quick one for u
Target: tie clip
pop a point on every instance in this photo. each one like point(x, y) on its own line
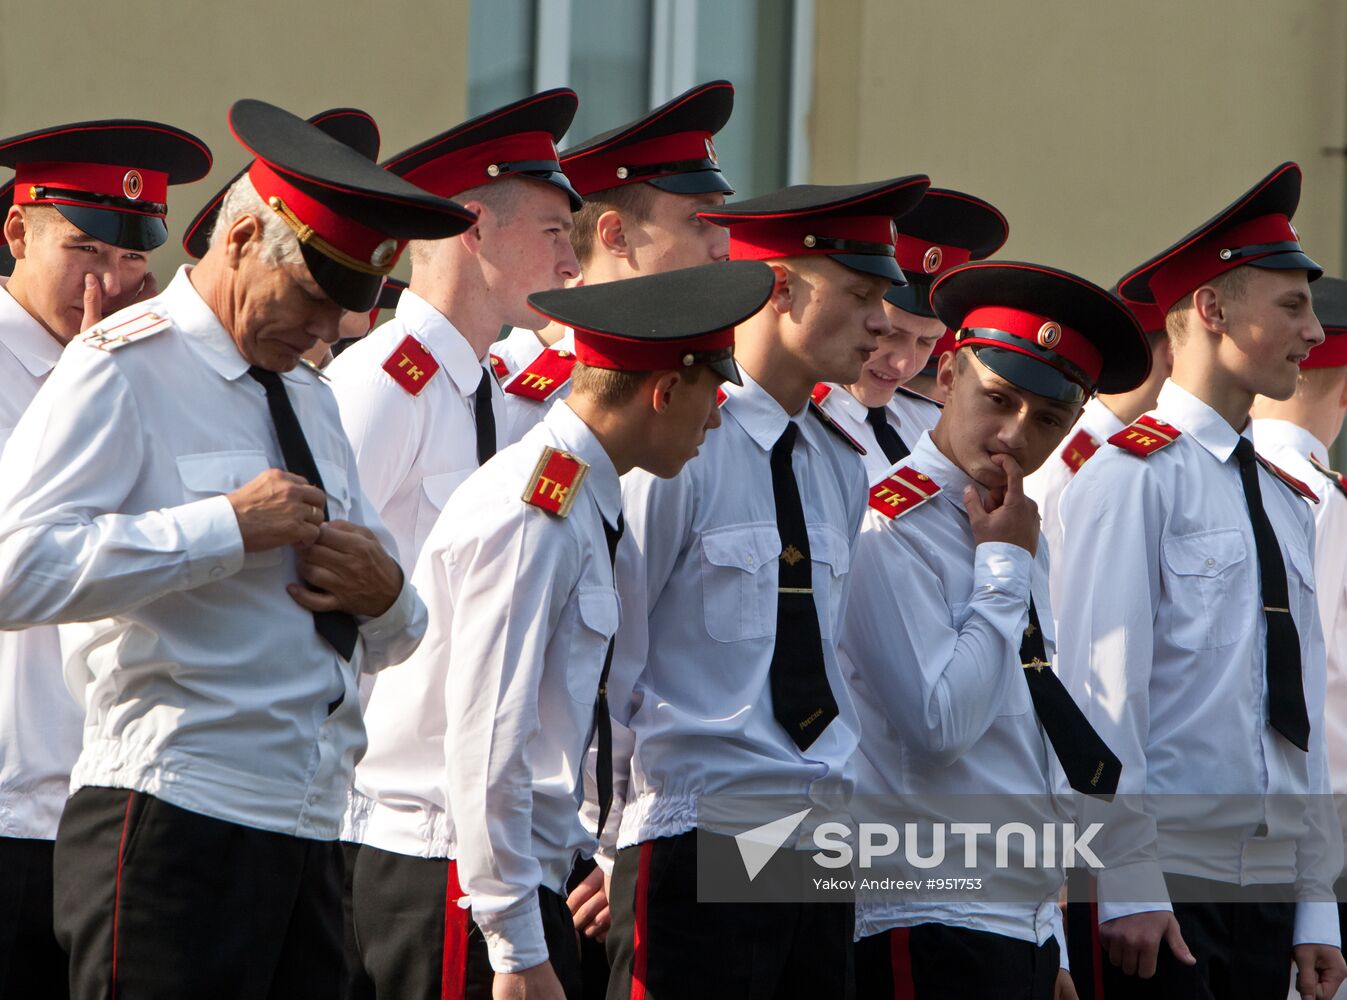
point(1285, 611)
point(1035, 664)
point(794, 590)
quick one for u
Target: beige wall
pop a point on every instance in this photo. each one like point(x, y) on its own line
point(1104, 131)
point(185, 62)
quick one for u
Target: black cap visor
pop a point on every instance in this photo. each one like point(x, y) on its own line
point(914, 298)
point(1294, 260)
point(555, 178)
point(128, 230)
point(353, 290)
point(1028, 373)
point(708, 181)
point(878, 264)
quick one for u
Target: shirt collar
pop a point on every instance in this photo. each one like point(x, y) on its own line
point(601, 480)
point(1292, 437)
point(28, 339)
point(200, 326)
point(849, 404)
point(1099, 420)
point(761, 415)
point(926, 458)
point(450, 347)
point(1195, 418)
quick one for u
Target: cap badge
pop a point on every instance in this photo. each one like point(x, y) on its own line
point(493, 170)
point(132, 184)
point(711, 152)
point(383, 253)
point(810, 241)
point(622, 173)
point(1048, 335)
point(931, 262)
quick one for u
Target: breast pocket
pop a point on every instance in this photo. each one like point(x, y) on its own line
point(831, 557)
point(1207, 575)
point(435, 493)
point(596, 621)
point(739, 581)
point(213, 474)
point(338, 488)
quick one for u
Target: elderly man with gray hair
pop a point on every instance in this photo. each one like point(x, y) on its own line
point(182, 488)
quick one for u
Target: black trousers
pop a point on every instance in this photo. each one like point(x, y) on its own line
point(32, 964)
point(415, 942)
point(154, 902)
point(665, 944)
point(932, 961)
point(1243, 949)
point(593, 955)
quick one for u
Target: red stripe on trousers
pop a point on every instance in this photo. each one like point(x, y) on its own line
point(900, 962)
point(640, 935)
point(1096, 954)
point(117, 889)
point(454, 964)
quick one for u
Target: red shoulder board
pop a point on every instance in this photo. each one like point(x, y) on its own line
point(545, 374)
point(1145, 437)
point(1289, 480)
point(555, 482)
point(721, 396)
point(905, 490)
point(411, 365)
point(499, 368)
point(1336, 478)
point(822, 390)
point(1079, 450)
point(835, 427)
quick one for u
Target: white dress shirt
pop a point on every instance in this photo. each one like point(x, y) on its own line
point(1161, 639)
point(520, 654)
point(208, 686)
point(510, 356)
point(850, 414)
point(931, 646)
point(698, 585)
point(40, 720)
point(412, 451)
point(914, 412)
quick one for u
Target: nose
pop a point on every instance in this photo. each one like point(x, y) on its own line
point(111, 281)
point(326, 323)
point(720, 243)
point(1011, 434)
point(876, 321)
point(569, 265)
point(1315, 335)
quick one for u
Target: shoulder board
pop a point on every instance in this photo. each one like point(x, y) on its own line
point(1079, 450)
point(555, 482)
point(499, 368)
point(721, 396)
point(1296, 485)
point(545, 374)
point(411, 365)
point(1145, 437)
point(113, 336)
point(1336, 478)
point(315, 369)
point(903, 390)
point(822, 390)
point(835, 427)
point(903, 492)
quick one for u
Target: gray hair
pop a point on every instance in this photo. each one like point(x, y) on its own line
point(279, 244)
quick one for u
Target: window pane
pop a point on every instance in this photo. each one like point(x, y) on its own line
point(500, 53)
point(610, 64)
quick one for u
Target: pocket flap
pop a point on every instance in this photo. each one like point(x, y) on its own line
point(742, 547)
point(598, 609)
point(438, 489)
point(221, 471)
point(1204, 553)
point(827, 545)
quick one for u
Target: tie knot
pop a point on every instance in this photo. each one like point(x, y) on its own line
point(268, 378)
point(786, 442)
point(876, 415)
point(1244, 451)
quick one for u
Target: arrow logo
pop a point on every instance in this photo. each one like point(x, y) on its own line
point(758, 845)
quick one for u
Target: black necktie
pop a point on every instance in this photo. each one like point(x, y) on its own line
point(337, 627)
point(889, 442)
point(802, 700)
point(603, 722)
point(485, 417)
point(1090, 766)
point(1286, 693)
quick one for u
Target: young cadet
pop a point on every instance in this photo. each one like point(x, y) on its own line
point(1297, 434)
point(520, 571)
point(1102, 416)
point(643, 185)
point(732, 589)
point(946, 229)
point(1189, 633)
point(193, 484)
point(947, 642)
point(91, 201)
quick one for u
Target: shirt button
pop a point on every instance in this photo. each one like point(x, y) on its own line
point(750, 558)
point(216, 572)
point(1211, 563)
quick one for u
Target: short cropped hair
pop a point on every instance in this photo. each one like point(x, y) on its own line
point(502, 197)
point(279, 243)
point(1231, 285)
point(631, 201)
point(608, 387)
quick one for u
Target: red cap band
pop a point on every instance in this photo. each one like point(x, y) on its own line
point(924, 257)
point(1195, 265)
point(1043, 331)
point(1332, 353)
point(471, 166)
point(369, 250)
point(794, 236)
point(626, 354)
point(609, 167)
point(128, 183)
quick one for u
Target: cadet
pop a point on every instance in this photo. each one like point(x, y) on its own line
point(91, 201)
point(195, 485)
point(1189, 634)
point(525, 608)
point(946, 229)
point(726, 675)
point(948, 633)
point(643, 185)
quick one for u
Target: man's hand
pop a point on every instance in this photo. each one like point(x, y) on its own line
point(348, 570)
point(1064, 988)
point(95, 308)
point(1320, 970)
point(277, 508)
point(1133, 942)
point(589, 907)
point(537, 983)
point(1005, 515)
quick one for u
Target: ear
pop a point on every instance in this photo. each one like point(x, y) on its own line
point(471, 238)
point(782, 293)
point(245, 230)
point(661, 389)
point(611, 235)
point(945, 372)
point(16, 232)
point(1209, 309)
point(1342, 398)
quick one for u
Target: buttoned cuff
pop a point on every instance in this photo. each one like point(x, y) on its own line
point(1129, 889)
point(514, 937)
point(395, 634)
point(1003, 567)
point(1317, 923)
point(212, 539)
